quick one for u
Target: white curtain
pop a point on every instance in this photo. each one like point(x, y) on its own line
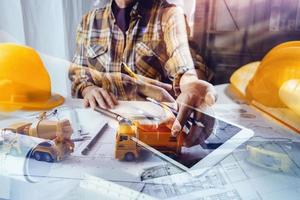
point(49, 26)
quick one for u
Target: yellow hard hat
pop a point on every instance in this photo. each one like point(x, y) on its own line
point(24, 82)
point(289, 94)
point(265, 78)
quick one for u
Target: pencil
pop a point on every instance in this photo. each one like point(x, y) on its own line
point(111, 114)
point(129, 71)
point(94, 140)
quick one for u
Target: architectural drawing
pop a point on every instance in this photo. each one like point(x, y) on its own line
point(234, 178)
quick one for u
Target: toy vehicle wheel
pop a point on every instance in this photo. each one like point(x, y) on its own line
point(129, 156)
point(47, 157)
point(37, 156)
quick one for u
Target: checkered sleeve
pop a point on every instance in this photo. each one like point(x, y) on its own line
point(176, 39)
point(80, 74)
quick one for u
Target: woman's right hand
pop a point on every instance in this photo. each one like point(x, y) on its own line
point(96, 96)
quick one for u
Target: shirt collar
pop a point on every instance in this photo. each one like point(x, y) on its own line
point(136, 10)
point(145, 7)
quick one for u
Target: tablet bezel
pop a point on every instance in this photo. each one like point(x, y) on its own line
point(215, 156)
point(222, 152)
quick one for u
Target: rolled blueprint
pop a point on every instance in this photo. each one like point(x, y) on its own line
point(15, 161)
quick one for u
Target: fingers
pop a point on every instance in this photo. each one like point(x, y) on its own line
point(194, 137)
point(196, 134)
point(92, 102)
point(182, 116)
point(210, 96)
point(164, 95)
point(210, 99)
point(86, 102)
point(110, 102)
point(165, 86)
point(99, 97)
point(169, 121)
point(176, 128)
point(209, 123)
point(155, 92)
point(114, 98)
point(147, 87)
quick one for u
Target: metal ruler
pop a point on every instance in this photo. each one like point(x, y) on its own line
point(112, 190)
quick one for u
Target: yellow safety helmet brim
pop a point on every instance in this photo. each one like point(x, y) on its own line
point(54, 101)
point(241, 77)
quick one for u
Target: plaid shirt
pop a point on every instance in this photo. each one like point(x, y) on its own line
point(155, 46)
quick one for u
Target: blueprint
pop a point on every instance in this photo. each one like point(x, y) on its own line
point(238, 176)
point(235, 177)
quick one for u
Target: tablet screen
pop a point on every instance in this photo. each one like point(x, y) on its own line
point(219, 133)
point(215, 133)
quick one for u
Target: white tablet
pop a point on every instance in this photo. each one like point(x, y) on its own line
point(225, 137)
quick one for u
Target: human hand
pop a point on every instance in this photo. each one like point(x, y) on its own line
point(146, 87)
point(195, 96)
point(134, 89)
point(96, 96)
point(166, 86)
